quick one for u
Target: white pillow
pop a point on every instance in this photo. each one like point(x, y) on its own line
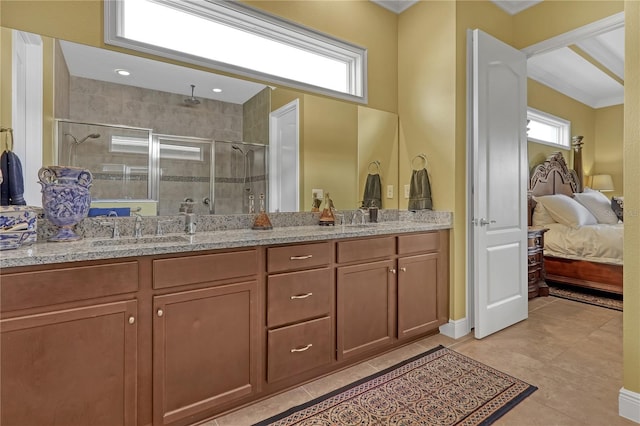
point(564, 209)
point(540, 215)
point(599, 206)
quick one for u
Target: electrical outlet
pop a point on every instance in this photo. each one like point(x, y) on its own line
point(389, 191)
point(406, 191)
point(317, 193)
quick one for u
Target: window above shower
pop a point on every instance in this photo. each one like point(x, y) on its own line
point(236, 38)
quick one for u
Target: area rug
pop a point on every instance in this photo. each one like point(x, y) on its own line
point(438, 387)
point(585, 295)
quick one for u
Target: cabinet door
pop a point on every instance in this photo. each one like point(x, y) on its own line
point(70, 367)
point(205, 350)
point(365, 307)
point(417, 294)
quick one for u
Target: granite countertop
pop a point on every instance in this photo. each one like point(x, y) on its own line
point(106, 248)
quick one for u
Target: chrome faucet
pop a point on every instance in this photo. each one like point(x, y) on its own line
point(363, 214)
point(190, 223)
point(137, 226)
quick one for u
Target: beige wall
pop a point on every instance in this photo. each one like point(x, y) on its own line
point(609, 137)
point(631, 314)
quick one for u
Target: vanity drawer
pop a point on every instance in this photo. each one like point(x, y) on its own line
point(366, 249)
point(417, 243)
point(299, 256)
point(204, 268)
point(296, 296)
point(25, 290)
point(298, 348)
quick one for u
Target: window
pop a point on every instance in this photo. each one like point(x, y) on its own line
point(233, 37)
point(548, 129)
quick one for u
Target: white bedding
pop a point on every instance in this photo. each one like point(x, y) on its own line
point(595, 243)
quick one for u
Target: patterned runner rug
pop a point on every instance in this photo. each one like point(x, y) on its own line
point(439, 387)
point(585, 295)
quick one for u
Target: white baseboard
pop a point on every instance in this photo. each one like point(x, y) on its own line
point(455, 329)
point(629, 405)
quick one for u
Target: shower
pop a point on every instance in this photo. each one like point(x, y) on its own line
point(192, 101)
point(75, 142)
point(245, 166)
point(78, 142)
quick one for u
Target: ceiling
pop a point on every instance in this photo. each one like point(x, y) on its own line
point(99, 64)
point(590, 71)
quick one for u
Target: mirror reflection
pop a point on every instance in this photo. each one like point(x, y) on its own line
point(165, 134)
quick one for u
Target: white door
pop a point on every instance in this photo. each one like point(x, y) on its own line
point(500, 173)
point(284, 170)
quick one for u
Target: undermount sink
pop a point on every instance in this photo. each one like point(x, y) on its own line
point(142, 240)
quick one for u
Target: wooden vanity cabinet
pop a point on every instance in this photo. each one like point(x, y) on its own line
point(300, 310)
point(205, 340)
point(74, 362)
point(365, 302)
point(422, 283)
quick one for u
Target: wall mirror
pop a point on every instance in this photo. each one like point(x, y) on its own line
point(165, 133)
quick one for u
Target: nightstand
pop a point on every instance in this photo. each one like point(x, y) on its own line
point(535, 247)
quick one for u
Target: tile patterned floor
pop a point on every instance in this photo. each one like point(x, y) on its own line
point(571, 351)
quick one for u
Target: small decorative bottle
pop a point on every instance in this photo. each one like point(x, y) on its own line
point(327, 217)
point(262, 221)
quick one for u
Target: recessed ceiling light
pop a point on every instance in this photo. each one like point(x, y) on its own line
point(122, 72)
point(217, 90)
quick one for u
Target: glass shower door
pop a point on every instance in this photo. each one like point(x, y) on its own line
point(185, 173)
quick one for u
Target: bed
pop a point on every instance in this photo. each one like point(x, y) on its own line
point(580, 253)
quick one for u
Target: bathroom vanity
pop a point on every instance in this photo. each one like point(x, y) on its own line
point(172, 333)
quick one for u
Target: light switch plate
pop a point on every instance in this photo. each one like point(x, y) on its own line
point(317, 193)
point(389, 191)
point(406, 191)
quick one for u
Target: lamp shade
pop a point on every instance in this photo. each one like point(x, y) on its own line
point(602, 183)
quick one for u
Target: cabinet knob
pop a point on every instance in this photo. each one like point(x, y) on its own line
point(160, 312)
point(132, 319)
point(403, 269)
point(393, 271)
point(301, 349)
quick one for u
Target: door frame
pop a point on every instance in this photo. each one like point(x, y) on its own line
point(274, 153)
point(594, 28)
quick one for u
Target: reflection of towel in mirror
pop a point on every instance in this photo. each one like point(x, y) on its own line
point(420, 191)
point(12, 187)
point(372, 192)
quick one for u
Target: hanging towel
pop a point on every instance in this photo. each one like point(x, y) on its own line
point(12, 187)
point(372, 192)
point(420, 191)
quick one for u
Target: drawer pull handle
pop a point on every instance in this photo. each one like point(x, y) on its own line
point(301, 349)
point(308, 256)
point(301, 296)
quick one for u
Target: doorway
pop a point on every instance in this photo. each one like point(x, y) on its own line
point(284, 169)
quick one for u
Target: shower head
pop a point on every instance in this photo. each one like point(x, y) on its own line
point(192, 100)
point(78, 142)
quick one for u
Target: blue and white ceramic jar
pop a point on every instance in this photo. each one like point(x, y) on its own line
point(65, 198)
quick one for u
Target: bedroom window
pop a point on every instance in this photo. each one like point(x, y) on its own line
point(236, 38)
point(548, 129)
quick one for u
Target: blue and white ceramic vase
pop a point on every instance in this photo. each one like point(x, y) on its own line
point(65, 198)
